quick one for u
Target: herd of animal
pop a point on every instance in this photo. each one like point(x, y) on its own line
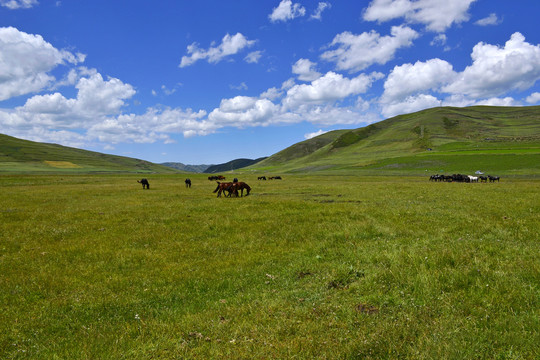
point(463, 178)
point(235, 188)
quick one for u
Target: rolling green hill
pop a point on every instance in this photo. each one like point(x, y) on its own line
point(502, 140)
point(23, 156)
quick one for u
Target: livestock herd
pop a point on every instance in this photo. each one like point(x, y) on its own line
point(236, 187)
point(463, 178)
point(229, 189)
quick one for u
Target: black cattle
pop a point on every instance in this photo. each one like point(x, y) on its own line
point(145, 183)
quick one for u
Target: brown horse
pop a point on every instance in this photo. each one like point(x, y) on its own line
point(222, 187)
point(241, 186)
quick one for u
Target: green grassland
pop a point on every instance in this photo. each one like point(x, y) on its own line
point(310, 267)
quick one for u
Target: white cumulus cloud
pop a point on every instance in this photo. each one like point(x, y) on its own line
point(534, 98)
point(506, 101)
point(154, 125)
point(305, 70)
point(328, 88)
point(409, 79)
point(436, 15)
point(286, 10)
point(96, 99)
point(26, 61)
point(18, 4)
point(496, 70)
point(243, 111)
point(230, 45)
point(357, 52)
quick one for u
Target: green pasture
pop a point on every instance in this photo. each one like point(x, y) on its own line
point(310, 267)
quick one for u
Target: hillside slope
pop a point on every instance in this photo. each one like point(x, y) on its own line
point(502, 139)
point(232, 165)
point(23, 156)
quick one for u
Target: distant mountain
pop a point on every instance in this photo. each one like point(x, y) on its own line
point(232, 165)
point(188, 168)
point(443, 139)
point(23, 156)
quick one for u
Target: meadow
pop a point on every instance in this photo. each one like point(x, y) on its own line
point(310, 267)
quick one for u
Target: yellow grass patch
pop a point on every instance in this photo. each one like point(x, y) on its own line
point(62, 164)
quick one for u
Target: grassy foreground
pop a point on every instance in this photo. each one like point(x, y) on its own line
point(94, 267)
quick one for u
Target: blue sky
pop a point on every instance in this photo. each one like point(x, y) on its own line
point(205, 82)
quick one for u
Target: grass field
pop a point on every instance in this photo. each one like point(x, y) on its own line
point(311, 267)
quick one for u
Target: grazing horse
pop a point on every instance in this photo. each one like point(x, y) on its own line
point(460, 178)
point(261, 178)
point(188, 183)
point(483, 178)
point(145, 183)
point(222, 187)
point(493, 178)
point(220, 177)
point(473, 178)
point(241, 186)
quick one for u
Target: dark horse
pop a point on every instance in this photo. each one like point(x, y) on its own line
point(145, 183)
point(188, 183)
point(493, 178)
point(261, 178)
point(222, 187)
